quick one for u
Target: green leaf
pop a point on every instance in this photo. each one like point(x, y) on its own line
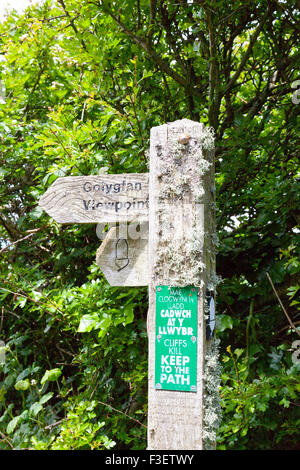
point(22, 384)
point(12, 424)
point(36, 408)
point(224, 322)
point(88, 323)
point(24, 373)
point(129, 314)
point(46, 398)
point(285, 402)
point(51, 375)
point(36, 213)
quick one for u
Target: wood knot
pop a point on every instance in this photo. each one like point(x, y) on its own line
point(184, 139)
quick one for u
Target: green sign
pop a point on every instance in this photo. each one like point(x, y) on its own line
point(176, 338)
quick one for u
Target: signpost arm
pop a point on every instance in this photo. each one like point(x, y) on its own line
point(181, 253)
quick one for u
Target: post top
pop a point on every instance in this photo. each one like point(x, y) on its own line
point(180, 124)
point(184, 122)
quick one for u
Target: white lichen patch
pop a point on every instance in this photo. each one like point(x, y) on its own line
point(212, 382)
point(181, 262)
point(176, 176)
point(207, 139)
point(180, 161)
point(177, 186)
point(199, 193)
point(213, 281)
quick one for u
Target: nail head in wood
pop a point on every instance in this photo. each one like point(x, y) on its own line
point(184, 139)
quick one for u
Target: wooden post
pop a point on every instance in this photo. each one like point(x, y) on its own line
point(181, 254)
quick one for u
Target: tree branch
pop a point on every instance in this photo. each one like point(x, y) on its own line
point(122, 413)
point(146, 46)
point(7, 247)
point(281, 304)
point(214, 80)
point(10, 228)
point(62, 3)
point(5, 439)
point(249, 50)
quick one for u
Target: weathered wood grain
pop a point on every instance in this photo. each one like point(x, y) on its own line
point(123, 259)
point(96, 199)
point(175, 418)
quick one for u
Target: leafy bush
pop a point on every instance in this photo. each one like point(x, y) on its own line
point(259, 413)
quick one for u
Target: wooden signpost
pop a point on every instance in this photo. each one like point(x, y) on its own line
point(177, 261)
point(123, 256)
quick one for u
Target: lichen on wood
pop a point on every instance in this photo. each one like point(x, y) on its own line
point(180, 160)
point(212, 382)
point(183, 245)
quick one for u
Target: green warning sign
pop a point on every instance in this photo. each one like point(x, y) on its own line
point(176, 338)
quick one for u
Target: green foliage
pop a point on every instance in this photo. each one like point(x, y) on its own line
point(85, 82)
point(33, 407)
point(80, 431)
point(259, 411)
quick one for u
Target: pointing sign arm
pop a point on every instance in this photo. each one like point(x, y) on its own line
point(93, 199)
point(124, 262)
